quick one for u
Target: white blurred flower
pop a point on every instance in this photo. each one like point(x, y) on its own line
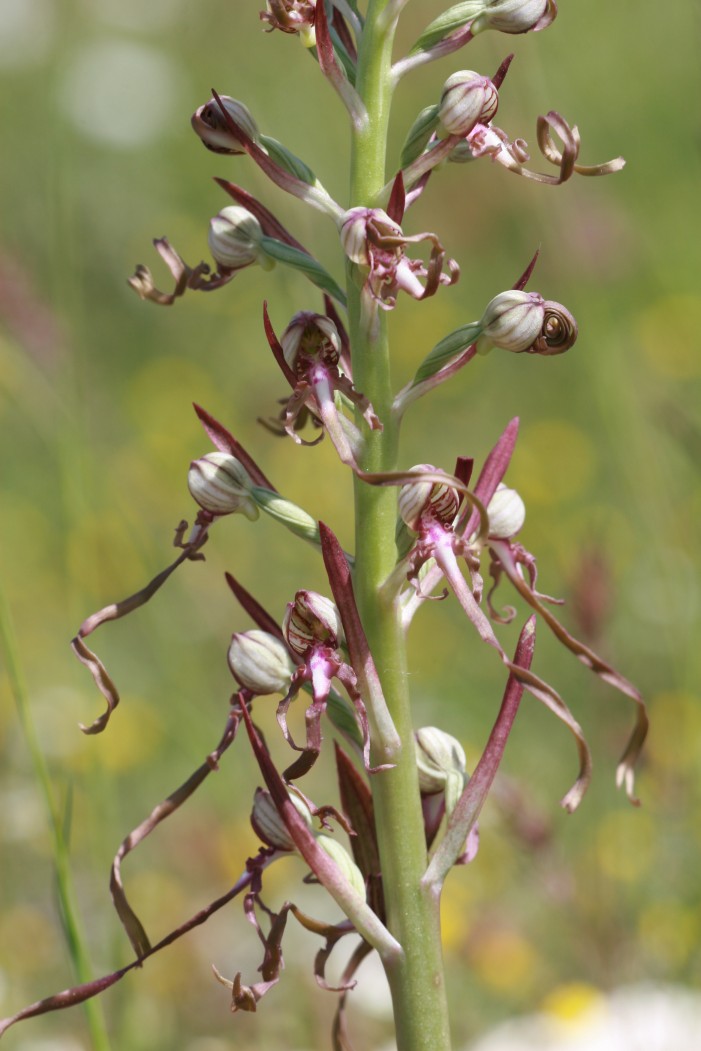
point(122, 94)
point(643, 1017)
point(27, 30)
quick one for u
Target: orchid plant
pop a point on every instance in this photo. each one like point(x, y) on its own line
point(407, 807)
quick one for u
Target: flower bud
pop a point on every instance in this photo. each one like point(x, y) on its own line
point(260, 662)
point(222, 485)
point(310, 335)
point(467, 99)
point(354, 232)
point(267, 823)
point(311, 619)
point(235, 239)
point(419, 498)
point(340, 855)
point(438, 756)
point(507, 513)
point(209, 123)
point(513, 321)
point(441, 765)
point(515, 16)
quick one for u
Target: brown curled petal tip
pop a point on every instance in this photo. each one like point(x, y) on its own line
point(559, 331)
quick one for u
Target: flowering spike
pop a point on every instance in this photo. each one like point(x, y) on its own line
point(444, 535)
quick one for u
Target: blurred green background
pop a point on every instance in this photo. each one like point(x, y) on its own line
point(97, 432)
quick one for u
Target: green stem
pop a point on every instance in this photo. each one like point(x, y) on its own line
point(64, 882)
point(417, 978)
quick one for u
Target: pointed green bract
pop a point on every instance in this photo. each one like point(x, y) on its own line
point(419, 134)
point(451, 20)
point(288, 160)
point(448, 348)
point(290, 256)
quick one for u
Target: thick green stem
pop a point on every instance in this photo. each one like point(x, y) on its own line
point(416, 979)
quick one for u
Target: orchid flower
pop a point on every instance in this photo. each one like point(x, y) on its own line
point(309, 353)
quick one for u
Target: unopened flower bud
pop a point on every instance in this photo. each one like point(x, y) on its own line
point(354, 232)
point(419, 498)
point(507, 513)
point(213, 128)
point(467, 99)
point(222, 485)
point(311, 619)
point(438, 755)
point(515, 16)
point(441, 765)
point(310, 335)
point(267, 823)
point(235, 239)
point(513, 321)
point(260, 662)
point(340, 855)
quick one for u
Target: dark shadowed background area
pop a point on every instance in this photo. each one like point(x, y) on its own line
point(97, 432)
